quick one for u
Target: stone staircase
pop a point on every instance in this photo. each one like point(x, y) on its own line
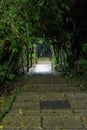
point(37, 108)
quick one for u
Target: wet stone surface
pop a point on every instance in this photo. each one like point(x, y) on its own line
point(47, 102)
point(63, 104)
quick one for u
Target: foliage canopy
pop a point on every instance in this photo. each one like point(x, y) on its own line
point(63, 23)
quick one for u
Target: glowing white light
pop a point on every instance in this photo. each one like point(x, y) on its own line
point(43, 68)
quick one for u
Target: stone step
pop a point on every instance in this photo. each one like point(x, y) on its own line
point(70, 89)
point(46, 79)
point(46, 112)
point(27, 113)
point(45, 122)
point(33, 96)
point(36, 96)
point(51, 112)
point(50, 85)
point(43, 90)
point(61, 89)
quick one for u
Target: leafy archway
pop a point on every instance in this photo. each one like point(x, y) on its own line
point(23, 22)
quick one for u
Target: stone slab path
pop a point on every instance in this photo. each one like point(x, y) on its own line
point(27, 113)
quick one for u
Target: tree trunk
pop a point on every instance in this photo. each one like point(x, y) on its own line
point(75, 50)
point(27, 57)
point(31, 58)
point(56, 53)
point(22, 62)
point(10, 59)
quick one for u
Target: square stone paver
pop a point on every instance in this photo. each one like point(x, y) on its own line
point(62, 122)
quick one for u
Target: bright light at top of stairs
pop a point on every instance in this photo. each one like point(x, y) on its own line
point(43, 68)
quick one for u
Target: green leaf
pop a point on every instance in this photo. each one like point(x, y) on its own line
point(84, 47)
point(15, 50)
point(11, 76)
